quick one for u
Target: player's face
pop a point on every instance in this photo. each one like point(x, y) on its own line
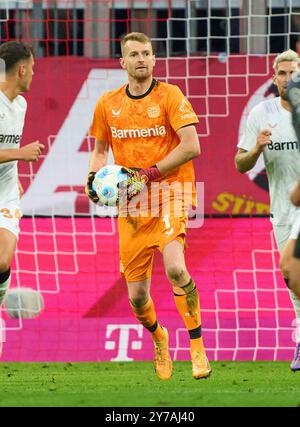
point(282, 76)
point(138, 60)
point(26, 74)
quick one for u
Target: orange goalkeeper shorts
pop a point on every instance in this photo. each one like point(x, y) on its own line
point(140, 236)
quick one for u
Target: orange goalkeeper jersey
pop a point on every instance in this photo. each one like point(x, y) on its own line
point(141, 130)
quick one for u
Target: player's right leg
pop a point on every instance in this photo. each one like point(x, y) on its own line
point(8, 243)
point(143, 309)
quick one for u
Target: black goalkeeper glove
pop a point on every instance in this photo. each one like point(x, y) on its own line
point(89, 191)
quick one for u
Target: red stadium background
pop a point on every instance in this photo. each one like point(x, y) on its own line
point(60, 83)
point(71, 255)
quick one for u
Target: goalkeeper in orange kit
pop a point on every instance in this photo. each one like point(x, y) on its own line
point(150, 127)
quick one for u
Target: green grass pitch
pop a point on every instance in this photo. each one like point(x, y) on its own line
point(135, 384)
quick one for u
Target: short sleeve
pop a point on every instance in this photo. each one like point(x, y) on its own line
point(98, 128)
point(180, 110)
point(249, 137)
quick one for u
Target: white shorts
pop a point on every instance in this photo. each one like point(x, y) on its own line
point(10, 215)
point(286, 232)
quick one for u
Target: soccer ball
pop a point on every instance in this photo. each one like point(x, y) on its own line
point(106, 184)
point(26, 303)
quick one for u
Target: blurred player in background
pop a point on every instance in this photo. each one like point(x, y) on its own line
point(293, 93)
point(150, 127)
point(17, 67)
point(270, 131)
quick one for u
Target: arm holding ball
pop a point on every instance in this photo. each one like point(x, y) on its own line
point(97, 161)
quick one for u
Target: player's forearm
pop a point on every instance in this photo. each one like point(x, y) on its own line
point(9, 155)
point(97, 161)
point(183, 153)
point(247, 160)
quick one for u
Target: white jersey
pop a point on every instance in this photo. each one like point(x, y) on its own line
point(281, 157)
point(12, 116)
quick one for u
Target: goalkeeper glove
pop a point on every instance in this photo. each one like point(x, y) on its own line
point(89, 191)
point(137, 180)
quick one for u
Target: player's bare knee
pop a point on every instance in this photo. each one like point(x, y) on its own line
point(175, 273)
point(139, 298)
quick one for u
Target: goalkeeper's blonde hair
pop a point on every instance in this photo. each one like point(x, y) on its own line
point(287, 55)
point(134, 36)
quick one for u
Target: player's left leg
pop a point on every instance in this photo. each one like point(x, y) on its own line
point(8, 243)
point(290, 267)
point(7, 248)
point(187, 302)
point(136, 256)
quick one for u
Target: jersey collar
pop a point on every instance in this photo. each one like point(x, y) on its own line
point(7, 101)
point(154, 83)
